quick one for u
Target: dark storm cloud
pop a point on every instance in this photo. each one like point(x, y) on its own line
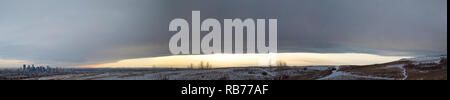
point(80, 31)
point(386, 27)
point(95, 31)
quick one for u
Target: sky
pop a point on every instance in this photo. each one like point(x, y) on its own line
point(91, 32)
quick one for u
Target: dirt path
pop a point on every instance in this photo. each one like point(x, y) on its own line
point(340, 75)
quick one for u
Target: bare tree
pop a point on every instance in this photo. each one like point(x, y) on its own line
point(191, 66)
point(281, 63)
point(208, 65)
point(202, 65)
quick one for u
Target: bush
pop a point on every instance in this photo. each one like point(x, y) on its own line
point(443, 61)
point(264, 73)
point(281, 64)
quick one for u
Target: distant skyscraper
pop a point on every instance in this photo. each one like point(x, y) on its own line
point(28, 68)
point(24, 67)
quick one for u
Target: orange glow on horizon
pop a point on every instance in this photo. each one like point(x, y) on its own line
point(244, 60)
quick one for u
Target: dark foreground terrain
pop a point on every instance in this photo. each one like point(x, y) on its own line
point(422, 68)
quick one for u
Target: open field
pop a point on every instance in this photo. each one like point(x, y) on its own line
point(424, 68)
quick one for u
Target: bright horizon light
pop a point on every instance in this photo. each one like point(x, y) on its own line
point(245, 60)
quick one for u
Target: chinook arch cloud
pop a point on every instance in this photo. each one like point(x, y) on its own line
point(184, 42)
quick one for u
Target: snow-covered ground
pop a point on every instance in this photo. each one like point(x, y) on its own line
point(244, 73)
point(425, 60)
point(402, 67)
point(340, 75)
point(387, 71)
